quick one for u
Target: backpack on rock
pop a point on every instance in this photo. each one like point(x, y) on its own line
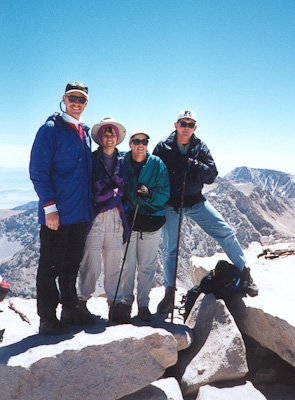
point(223, 281)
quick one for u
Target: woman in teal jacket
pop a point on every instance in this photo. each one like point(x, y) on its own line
point(148, 183)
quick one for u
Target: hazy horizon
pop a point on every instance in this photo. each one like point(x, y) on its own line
point(16, 188)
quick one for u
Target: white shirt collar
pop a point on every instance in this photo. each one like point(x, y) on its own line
point(68, 118)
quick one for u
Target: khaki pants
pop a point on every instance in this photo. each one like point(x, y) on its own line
point(141, 255)
point(104, 245)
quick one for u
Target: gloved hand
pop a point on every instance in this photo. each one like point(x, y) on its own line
point(142, 192)
point(185, 164)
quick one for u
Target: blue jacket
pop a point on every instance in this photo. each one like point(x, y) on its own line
point(60, 169)
point(154, 176)
point(204, 172)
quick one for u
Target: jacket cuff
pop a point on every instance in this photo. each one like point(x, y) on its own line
point(50, 208)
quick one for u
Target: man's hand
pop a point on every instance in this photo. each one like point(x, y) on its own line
point(52, 220)
point(185, 164)
point(142, 192)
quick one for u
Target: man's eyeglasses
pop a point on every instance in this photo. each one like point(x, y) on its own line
point(184, 124)
point(73, 99)
point(138, 141)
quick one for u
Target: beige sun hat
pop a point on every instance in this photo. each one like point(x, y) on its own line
point(96, 130)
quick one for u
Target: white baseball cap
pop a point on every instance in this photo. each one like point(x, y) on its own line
point(187, 113)
point(138, 131)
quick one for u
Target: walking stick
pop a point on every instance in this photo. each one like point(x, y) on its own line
point(178, 240)
point(125, 253)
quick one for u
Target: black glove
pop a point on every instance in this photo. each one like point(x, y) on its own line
point(142, 192)
point(185, 164)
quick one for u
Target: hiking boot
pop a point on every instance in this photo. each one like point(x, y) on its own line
point(166, 304)
point(247, 284)
point(144, 314)
point(85, 312)
point(120, 313)
point(76, 317)
point(53, 328)
point(125, 310)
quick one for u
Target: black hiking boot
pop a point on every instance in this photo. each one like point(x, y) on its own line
point(85, 312)
point(76, 317)
point(125, 313)
point(120, 314)
point(247, 284)
point(166, 304)
point(53, 328)
point(144, 314)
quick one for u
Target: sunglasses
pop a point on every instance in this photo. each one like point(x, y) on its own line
point(73, 99)
point(184, 124)
point(138, 141)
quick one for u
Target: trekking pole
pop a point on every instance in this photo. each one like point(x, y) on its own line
point(125, 253)
point(178, 240)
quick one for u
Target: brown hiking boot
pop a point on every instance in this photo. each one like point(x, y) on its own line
point(247, 283)
point(166, 304)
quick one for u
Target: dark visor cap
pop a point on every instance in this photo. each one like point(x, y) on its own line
point(77, 87)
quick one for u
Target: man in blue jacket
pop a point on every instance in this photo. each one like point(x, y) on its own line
point(60, 169)
point(184, 153)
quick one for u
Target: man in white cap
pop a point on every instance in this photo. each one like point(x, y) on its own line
point(60, 169)
point(186, 155)
point(104, 241)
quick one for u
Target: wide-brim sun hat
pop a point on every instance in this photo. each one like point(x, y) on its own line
point(108, 121)
point(138, 131)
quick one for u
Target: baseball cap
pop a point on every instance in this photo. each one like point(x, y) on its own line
point(77, 87)
point(187, 113)
point(137, 132)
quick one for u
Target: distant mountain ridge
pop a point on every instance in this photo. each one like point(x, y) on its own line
point(275, 182)
point(27, 206)
point(258, 204)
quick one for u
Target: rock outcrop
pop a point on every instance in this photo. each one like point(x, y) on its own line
point(205, 358)
point(266, 318)
point(119, 361)
point(217, 353)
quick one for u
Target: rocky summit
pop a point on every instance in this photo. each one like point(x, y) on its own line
point(243, 349)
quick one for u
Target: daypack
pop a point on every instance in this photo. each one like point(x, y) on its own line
point(4, 288)
point(223, 281)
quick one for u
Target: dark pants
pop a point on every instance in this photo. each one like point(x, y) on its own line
point(60, 255)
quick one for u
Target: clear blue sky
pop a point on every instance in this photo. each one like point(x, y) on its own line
point(232, 61)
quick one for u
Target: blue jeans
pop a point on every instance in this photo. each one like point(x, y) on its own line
point(209, 219)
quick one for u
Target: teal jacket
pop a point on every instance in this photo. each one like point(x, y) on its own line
point(154, 176)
